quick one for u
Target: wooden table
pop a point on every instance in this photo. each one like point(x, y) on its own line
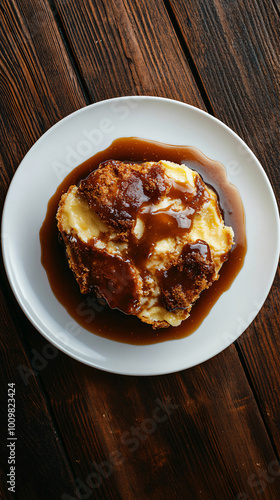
point(210, 432)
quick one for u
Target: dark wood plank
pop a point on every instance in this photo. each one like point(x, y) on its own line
point(260, 348)
point(4, 492)
point(31, 101)
point(236, 48)
point(127, 48)
point(37, 447)
point(276, 4)
point(39, 86)
point(212, 444)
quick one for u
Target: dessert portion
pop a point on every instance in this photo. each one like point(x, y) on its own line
point(147, 238)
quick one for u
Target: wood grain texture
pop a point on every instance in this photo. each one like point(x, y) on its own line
point(213, 443)
point(38, 84)
point(4, 492)
point(235, 46)
point(236, 49)
point(32, 100)
point(127, 48)
point(37, 443)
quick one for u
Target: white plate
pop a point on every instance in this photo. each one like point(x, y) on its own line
point(78, 137)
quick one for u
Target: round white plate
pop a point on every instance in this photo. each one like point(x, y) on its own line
point(81, 135)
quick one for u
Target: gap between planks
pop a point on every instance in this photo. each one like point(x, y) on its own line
point(67, 45)
point(251, 385)
point(276, 6)
point(189, 58)
point(41, 387)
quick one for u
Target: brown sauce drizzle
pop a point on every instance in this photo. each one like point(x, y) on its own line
point(113, 324)
point(133, 192)
point(184, 280)
point(122, 193)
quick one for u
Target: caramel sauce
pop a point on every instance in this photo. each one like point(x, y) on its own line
point(121, 194)
point(112, 276)
point(182, 274)
point(112, 323)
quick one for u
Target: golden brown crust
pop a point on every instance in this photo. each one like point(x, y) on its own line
point(108, 276)
point(116, 190)
point(193, 273)
point(155, 324)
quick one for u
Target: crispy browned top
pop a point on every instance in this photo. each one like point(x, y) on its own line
point(194, 271)
point(117, 190)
